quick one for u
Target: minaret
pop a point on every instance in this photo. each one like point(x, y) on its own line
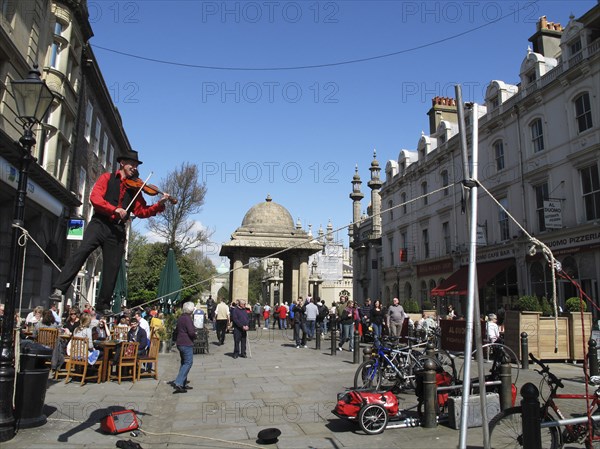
point(329, 236)
point(356, 196)
point(375, 184)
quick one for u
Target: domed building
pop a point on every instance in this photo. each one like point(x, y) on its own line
point(268, 230)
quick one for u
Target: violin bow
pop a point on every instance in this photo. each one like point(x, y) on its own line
point(139, 191)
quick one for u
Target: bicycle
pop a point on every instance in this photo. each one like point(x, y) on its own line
point(506, 428)
point(395, 368)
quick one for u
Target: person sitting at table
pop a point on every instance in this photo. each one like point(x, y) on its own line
point(47, 321)
point(73, 321)
point(136, 334)
point(34, 316)
point(100, 332)
point(84, 329)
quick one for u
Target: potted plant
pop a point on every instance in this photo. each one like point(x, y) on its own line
point(576, 310)
point(165, 333)
point(527, 317)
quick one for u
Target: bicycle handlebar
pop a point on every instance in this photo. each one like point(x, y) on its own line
point(546, 370)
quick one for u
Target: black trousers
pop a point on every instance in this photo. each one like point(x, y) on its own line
point(99, 233)
point(221, 330)
point(239, 341)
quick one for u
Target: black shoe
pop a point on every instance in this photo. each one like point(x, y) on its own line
point(56, 297)
point(243, 356)
point(235, 356)
point(187, 387)
point(179, 389)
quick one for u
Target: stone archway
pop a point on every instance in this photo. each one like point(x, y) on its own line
point(268, 230)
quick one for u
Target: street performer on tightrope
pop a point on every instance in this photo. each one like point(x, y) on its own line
point(113, 202)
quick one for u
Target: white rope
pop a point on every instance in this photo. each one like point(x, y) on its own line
point(294, 246)
point(547, 254)
point(28, 236)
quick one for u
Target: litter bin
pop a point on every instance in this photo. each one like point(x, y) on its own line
point(32, 382)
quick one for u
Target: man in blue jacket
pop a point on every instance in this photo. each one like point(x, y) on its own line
point(241, 320)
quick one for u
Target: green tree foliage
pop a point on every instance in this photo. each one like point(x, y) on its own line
point(146, 261)
point(256, 275)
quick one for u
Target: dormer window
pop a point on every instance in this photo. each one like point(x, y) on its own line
point(495, 102)
point(531, 77)
point(442, 139)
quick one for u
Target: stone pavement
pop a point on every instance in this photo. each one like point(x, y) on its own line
point(233, 399)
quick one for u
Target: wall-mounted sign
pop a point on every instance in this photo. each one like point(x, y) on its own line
point(75, 229)
point(552, 214)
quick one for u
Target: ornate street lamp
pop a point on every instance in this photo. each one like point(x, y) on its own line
point(33, 99)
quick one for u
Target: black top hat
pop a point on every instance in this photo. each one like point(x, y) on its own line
point(268, 436)
point(132, 156)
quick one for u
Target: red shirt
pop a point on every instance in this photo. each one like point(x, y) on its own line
point(103, 207)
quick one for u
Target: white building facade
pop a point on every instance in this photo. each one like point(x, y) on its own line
point(539, 152)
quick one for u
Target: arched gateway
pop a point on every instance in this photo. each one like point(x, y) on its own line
point(268, 228)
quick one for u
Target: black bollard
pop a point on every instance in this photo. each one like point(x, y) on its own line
point(524, 351)
point(429, 395)
point(318, 337)
point(593, 357)
point(430, 349)
point(333, 325)
point(506, 385)
point(530, 417)
point(356, 347)
point(367, 353)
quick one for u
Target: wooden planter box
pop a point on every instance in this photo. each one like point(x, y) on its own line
point(540, 334)
point(577, 339)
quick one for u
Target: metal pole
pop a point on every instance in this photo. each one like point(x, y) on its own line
point(356, 354)
point(524, 351)
point(333, 326)
point(429, 394)
point(7, 357)
point(593, 357)
point(506, 385)
point(532, 434)
point(318, 337)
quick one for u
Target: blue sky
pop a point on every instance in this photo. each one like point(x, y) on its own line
point(284, 98)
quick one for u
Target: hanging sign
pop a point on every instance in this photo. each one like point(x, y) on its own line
point(552, 214)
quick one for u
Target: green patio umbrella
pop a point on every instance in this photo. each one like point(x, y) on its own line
point(120, 291)
point(170, 282)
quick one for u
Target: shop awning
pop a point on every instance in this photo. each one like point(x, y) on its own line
point(457, 283)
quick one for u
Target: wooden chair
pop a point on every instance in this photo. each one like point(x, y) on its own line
point(151, 358)
point(127, 359)
point(77, 364)
point(47, 336)
point(120, 333)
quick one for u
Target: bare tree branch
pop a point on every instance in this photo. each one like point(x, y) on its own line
point(175, 224)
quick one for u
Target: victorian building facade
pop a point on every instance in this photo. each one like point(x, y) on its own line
point(81, 136)
point(539, 150)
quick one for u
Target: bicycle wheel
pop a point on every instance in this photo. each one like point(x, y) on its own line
point(367, 375)
point(506, 431)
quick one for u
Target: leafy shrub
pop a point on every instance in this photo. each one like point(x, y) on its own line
point(528, 303)
point(427, 305)
point(573, 305)
point(411, 306)
point(547, 309)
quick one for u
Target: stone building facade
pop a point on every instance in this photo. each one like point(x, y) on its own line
point(80, 138)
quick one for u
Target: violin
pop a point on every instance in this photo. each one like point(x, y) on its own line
point(150, 189)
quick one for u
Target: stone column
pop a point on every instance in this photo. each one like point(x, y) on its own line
point(239, 284)
point(295, 269)
point(303, 276)
point(287, 293)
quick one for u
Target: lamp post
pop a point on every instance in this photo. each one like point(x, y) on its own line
point(33, 99)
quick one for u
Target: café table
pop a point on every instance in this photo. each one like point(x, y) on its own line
point(108, 347)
